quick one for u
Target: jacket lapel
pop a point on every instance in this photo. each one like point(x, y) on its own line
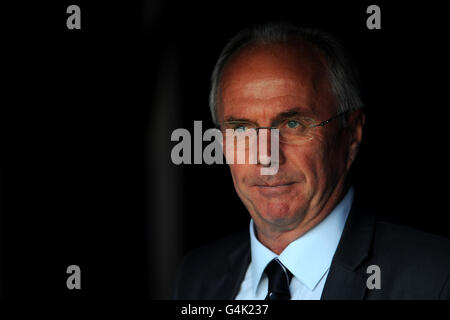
point(344, 280)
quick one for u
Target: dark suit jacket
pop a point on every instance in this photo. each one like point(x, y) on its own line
point(413, 264)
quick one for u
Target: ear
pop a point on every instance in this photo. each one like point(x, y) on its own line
point(355, 124)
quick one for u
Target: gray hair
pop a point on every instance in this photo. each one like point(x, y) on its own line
point(343, 76)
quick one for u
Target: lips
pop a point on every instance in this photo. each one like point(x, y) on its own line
point(274, 184)
point(273, 189)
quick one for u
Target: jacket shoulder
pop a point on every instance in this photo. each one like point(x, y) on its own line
point(409, 242)
point(218, 250)
point(207, 263)
point(413, 263)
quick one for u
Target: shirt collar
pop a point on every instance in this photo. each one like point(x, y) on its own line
point(309, 257)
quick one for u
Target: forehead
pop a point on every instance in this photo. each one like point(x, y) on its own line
point(272, 78)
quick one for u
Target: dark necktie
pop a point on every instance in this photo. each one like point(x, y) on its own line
point(279, 279)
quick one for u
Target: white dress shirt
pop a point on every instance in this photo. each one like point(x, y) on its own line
point(308, 258)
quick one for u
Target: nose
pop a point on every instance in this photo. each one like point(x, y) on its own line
point(265, 145)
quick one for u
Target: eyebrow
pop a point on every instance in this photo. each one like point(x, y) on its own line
point(296, 111)
point(289, 113)
point(231, 118)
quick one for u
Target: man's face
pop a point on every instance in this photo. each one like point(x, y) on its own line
point(261, 84)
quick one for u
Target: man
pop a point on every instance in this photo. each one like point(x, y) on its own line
point(310, 237)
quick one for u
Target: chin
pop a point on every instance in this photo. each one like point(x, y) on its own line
point(279, 214)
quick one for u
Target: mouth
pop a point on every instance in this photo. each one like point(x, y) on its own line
point(274, 189)
point(274, 185)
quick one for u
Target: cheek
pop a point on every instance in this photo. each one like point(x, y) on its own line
point(326, 162)
point(240, 173)
point(310, 160)
point(234, 173)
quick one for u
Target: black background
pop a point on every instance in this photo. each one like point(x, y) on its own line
point(86, 176)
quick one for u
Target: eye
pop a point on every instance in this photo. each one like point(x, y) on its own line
point(241, 128)
point(292, 124)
